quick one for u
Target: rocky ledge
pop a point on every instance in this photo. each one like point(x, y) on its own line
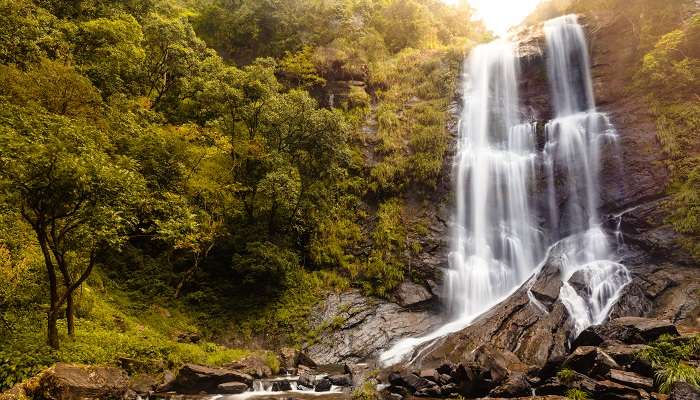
point(603, 362)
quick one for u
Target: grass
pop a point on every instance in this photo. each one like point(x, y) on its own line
point(107, 330)
point(577, 394)
point(566, 375)
point(668, 356)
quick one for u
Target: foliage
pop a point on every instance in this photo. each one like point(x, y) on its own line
point(577, 394)
point(668, 356)
point(676, 371)
point(668, 77)
point(237, 194)
point(566, 375)
point(367, 391)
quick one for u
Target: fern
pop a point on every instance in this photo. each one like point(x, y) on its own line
point(676, 371)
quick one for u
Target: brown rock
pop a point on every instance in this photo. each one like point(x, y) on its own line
point(194, 379)
point(631, 379)
point(70, 381)
point(590, 361)
point(410, 294)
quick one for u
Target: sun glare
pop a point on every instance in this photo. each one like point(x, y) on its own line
point(500, 15)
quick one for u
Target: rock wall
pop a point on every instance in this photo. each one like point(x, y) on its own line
point(666, 283)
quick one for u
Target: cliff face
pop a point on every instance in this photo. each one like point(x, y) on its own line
point(634, 180)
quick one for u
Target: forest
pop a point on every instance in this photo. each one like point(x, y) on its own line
point(185, 181)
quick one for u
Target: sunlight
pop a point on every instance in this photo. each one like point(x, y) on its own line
point(500, 15)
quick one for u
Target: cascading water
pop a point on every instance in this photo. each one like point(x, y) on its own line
point(495, 240)
point(572, 156)
point(499, 238)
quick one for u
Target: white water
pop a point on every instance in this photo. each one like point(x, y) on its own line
point(499, 238)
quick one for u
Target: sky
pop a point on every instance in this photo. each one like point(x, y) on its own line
point(499, 15)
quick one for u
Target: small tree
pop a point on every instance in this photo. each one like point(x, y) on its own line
point(77, 198)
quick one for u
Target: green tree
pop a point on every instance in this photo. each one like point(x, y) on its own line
point(77, 198)
point(109, 52)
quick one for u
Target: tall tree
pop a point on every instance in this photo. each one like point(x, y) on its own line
point(77, 198)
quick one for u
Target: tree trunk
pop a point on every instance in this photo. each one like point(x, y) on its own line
point(70, 315)
point(52, 329)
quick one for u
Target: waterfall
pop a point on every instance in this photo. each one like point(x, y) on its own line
point(572, 157)
point(496, 242)
point(499, 237)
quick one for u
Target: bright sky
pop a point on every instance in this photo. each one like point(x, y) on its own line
point(499, 15)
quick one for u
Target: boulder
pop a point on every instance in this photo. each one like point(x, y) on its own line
point(306, 379)
point(430, 374)
point(623, 354)
point(633, 302)
point(253, 365)
point(303, 359)
point(281, 386)
point(684, 391)
point(410, 294)
point(324, 385)
point(232, 388)
point(341, 380)
point(548, 283)
point(631, 379)
point(144, 384)
point(590, 361)
point(70, 381)
point(630, 330)
point(515, 385)
point(499, 364)
point(195, 379)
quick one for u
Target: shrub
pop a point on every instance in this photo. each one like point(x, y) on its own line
point(577, 394)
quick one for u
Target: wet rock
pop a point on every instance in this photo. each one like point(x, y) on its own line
point(281, 386)
point(590, 361)
point(410, 294)
point(232, 388)
point(194, 379)
point(633, 302)
point(369, 326)
point(70, 381)
point(684, 391)
point(631, 379)
point(431, 391)
point(306, 379)
point(324, 385)
point(548, 283)
point(341, 380)
point(630, 330)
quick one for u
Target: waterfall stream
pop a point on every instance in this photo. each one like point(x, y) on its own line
point(500, 237)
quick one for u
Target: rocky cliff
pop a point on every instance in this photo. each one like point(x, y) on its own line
point(634, 179)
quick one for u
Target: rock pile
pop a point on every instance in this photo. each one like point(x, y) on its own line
point(602, 362)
